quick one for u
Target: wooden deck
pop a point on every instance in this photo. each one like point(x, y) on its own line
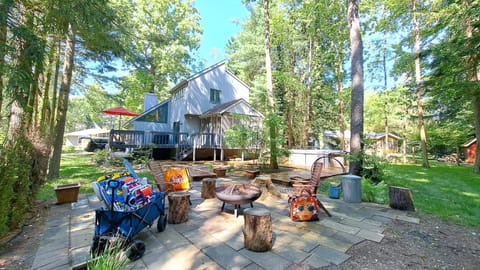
point(283, 178)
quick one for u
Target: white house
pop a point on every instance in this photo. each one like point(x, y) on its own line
point(75, 138)
point(196, 115)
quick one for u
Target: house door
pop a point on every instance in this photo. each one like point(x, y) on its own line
point(176, 132)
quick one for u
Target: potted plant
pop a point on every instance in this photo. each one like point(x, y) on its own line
point(220, 171)
point(67, 193)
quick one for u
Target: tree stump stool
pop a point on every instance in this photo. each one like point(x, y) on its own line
point(266, 186)
point(208, 188)
point(257, 229)
point(401, 198)
point(178, 207)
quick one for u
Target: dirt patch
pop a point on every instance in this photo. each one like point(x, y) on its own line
point(432, 244)
point(18, 248)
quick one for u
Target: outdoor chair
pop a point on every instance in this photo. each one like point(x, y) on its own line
point(170, 180)
point(309, 184)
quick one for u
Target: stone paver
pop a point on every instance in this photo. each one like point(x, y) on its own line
point(211, 239)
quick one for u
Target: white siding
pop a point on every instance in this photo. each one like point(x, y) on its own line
point(196, 97)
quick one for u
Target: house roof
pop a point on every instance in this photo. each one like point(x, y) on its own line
point(88, 132)
point(368, 135)
point(377, 136)
point(228, 106)
point(183, 83)
point(467, 144)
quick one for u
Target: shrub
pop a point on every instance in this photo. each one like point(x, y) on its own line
point(374, 192)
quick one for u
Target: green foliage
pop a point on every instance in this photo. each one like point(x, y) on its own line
point(374, 192)
point(16, 189)
point(112, 257)
point(373, 166)
point(143, 155)
point(100, 157)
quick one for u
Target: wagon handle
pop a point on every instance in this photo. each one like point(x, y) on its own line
point(113, 184)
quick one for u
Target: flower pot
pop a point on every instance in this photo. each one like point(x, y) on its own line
point(67, 193)
point(220, 171)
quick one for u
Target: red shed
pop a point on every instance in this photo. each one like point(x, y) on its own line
point(470, 151)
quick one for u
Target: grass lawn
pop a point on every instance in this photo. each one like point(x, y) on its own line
point(78, 169)
point(447, 191)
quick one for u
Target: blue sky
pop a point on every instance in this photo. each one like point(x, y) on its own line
point(218, 19)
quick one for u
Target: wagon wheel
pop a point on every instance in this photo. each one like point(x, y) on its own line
point(98, 246)
point(162, 223)
point(136, 250)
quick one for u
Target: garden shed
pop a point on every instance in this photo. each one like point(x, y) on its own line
point(470, 150)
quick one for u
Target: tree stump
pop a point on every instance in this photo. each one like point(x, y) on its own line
point(266, 186)
point(178, 207)
point(401, 198)
point(208, 188)
point(257, 229)
point(252, 174)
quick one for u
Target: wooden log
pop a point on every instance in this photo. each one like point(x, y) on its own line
point(178, 207)
point(257, 229)
point(401, 198)
point(208, 188)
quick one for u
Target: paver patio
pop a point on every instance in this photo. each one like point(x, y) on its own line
point(211, 239)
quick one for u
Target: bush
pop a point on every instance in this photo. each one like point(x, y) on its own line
point(374, 192)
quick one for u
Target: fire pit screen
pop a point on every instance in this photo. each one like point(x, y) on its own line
point(237, 194)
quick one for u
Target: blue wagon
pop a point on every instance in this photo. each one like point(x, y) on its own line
point(113, 222)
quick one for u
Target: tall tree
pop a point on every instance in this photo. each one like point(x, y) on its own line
point(269, 85)
point(418, 85)
point(356, 120)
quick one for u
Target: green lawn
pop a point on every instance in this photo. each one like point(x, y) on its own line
point(78, 169)
point(447, 191)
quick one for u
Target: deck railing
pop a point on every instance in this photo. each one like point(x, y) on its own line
point(130, 139)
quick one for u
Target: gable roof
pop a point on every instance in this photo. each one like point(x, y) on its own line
point(467, 144)
point(228, 106)
point(183, 83)
point(377, 136)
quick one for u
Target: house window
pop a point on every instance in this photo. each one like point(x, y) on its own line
point(215, 96)
point(160, 115)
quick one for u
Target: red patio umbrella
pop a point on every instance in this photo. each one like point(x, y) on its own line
point(119, 111)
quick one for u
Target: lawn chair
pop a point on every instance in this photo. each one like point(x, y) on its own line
point(171, 179)
point(309, 184)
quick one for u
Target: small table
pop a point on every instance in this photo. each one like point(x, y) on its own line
point(237, 194)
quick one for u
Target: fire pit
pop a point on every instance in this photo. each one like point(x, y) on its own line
point(237, 194)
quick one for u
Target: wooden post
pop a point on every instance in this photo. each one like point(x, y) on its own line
point(401, 198)
point(257, 229)
point(208, 188)
point(178, 207)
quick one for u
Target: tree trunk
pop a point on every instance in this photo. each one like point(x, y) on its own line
point(341, 105)
point(418, 87)
point(356, 121)
point(4, 9)
point(472, 76)
point(54, 108)
point(271, 103)
point(54, 169)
